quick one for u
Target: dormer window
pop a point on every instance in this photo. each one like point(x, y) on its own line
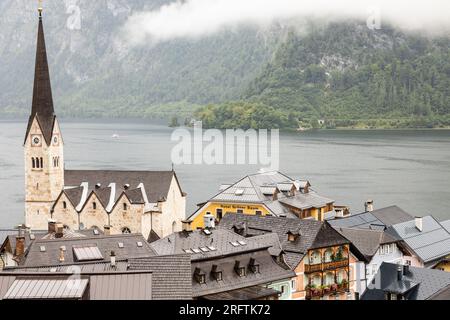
point(254, 266)
point(216, 273)
point(199, 276)
point(293, 235)
point(240, 269)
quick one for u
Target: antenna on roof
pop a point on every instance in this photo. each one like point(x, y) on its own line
point(173, 168)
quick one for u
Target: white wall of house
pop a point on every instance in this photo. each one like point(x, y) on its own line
point(284, 287)
point(8, 260)
point(386, 253)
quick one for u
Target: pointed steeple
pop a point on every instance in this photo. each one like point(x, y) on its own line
point(42, 105)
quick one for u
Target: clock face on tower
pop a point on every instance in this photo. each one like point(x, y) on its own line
point(55, 140)
point(36, 140)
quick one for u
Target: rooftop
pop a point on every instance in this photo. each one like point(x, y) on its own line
point(377, 219)
point(430, 244)
point(313, 234)
point(415, 284)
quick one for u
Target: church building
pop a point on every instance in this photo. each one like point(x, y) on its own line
point(147, 202)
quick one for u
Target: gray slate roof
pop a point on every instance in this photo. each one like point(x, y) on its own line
point(269, 271)
point(156, 184)
point(106, 244)
point(220, 239)
point(171, 276)
point(314, 234)
point(377, 219)
point(367, 241)
point(422, 283)
point(430, 244)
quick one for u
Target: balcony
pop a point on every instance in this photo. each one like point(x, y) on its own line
point(325, 266)
point(319, 292)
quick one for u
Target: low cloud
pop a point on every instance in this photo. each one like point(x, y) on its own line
point(198, 18)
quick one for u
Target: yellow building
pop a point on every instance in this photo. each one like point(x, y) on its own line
point(444, 265)
point(271, 193)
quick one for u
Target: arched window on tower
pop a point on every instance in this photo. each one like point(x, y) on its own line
point(42, 163)
point(94, 205)
point(64, 205)
point(125, 207)
point(126, 230)
point(33, 163)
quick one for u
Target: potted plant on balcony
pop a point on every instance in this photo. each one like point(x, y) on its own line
point(326, 289)
point(334, 287)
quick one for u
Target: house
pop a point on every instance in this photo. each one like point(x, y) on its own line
point(269, 193)
point(397, 282)
point(325, 267)
point(163, 278)
point(227, 266)
point(374, 247)
point(146, 202)
point(372, 219)
point(427, 238)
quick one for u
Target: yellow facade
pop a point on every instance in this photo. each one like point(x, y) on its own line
point(218, 210)
point(444, 266)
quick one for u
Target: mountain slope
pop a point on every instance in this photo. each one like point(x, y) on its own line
point(344, 72)
point(94, 73)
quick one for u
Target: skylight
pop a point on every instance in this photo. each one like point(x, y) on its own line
point(87, 253)
point(204, 249)
point(188, 251)
point(234, 244)
point(120, 244)
point(207, 232)
point(196, 250)
point(242, 243)
point(212, 248)
point(139, 244)
point(239, 192)
point(42, 248)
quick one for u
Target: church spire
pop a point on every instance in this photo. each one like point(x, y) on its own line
point(42, 105)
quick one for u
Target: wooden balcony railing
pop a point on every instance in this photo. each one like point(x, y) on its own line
point(324, 266)
point(328, 290)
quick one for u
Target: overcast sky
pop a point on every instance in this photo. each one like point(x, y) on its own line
point(197, 18)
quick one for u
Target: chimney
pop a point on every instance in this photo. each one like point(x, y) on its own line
point(61, 254)
point(59, 230)
point(20, 242)
point(419, 223)
point(399, 272)
point(51, 226)
point(107, 230)
point(186, 225)
point(113, 259)
point(368, 205)
point(209, 221)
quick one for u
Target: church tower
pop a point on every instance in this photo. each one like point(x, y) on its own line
point(44, 157)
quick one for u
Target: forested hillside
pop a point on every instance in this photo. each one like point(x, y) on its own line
point(351, 76)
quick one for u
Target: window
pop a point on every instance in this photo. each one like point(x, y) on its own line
point(126, 230)
point(283, 290)
point(64, 204)
point(258, 212)
point(199, 276)
point(254, 266)
point(125, 207)
point(94, 205)
point(294, 285)
point(216, 273)
point(240, 211)
point(240, 270)
point(33, 163)
point(219, 214)
point(41, 164)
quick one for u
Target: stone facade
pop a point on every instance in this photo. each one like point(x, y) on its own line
point(44, 174)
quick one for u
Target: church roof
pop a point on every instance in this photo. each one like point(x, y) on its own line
point(42, 105)
point(109, 186)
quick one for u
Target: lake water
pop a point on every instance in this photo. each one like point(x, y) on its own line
point(408, 168)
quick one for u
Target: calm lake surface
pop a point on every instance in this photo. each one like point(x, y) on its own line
point(408, 168)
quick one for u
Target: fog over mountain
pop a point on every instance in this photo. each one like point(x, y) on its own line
point(146, 58)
